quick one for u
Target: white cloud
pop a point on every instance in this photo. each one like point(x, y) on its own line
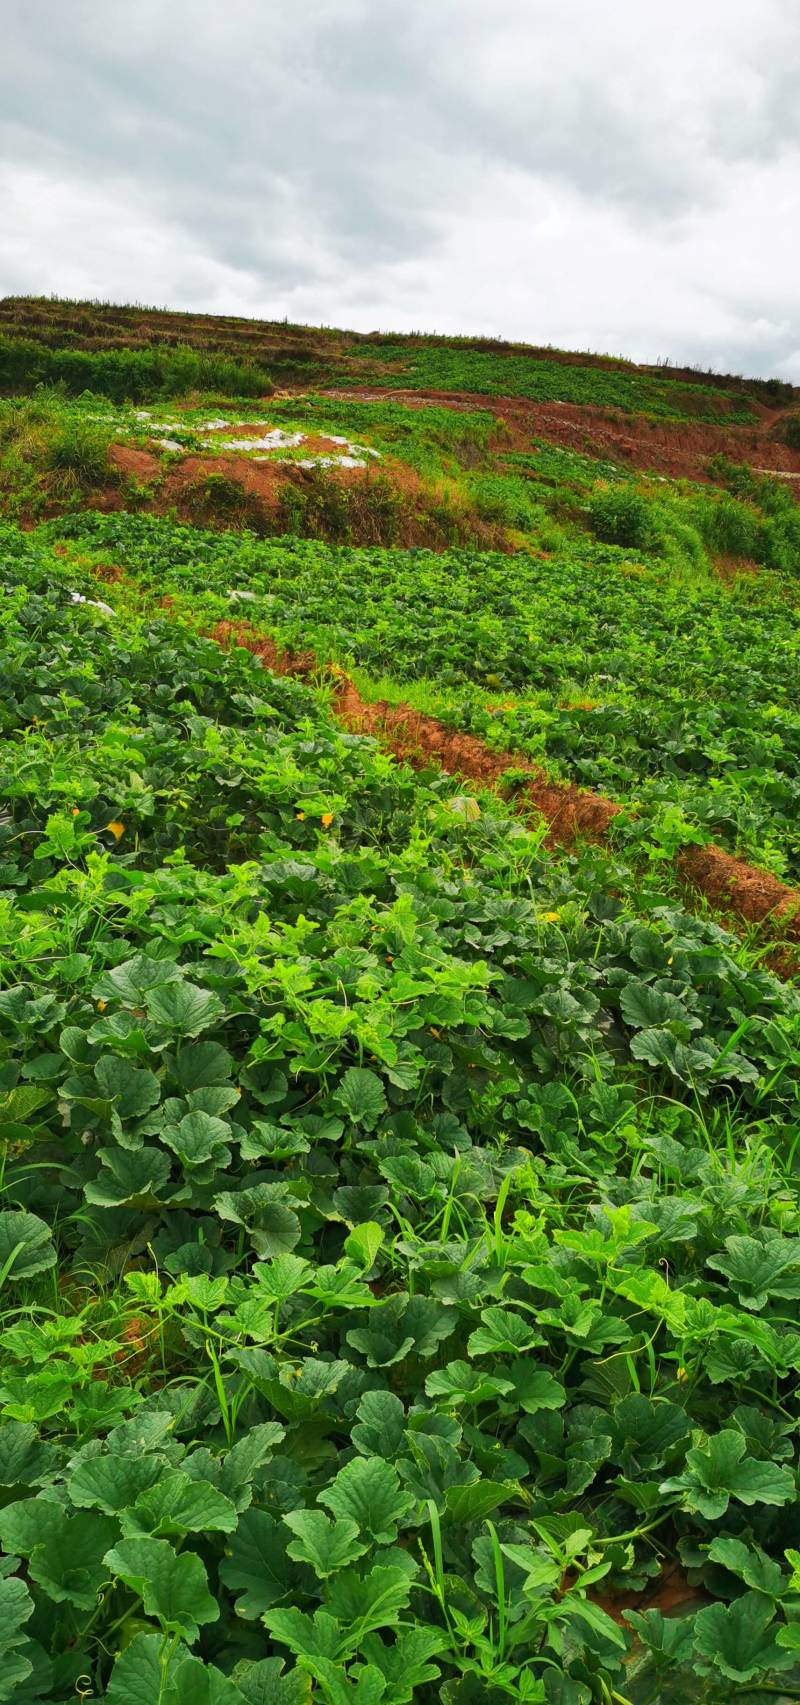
point(611, 176)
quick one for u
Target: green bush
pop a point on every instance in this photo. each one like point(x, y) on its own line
point(126, 375)
point(730, 526)
point(80, 448)
point(621, 516)
point(788, 431)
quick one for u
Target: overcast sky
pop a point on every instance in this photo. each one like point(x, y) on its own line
point(598, 174)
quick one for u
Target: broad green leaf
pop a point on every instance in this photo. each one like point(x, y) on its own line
point(658, 1047)
point(367, 1688)
point(669, 1638)
point(738, 1640)
point(503, 1333)
point(750, 1563)
point(379, 1344)
point(273, 1228)
point(644, 1432)
point(363, 1244)
point(110, 1483)
point(24, 1459)
point(35, 1396)
point(70, 1563)
point(173, 1588)
point(200, 1290)
point(362, 1096)
point(25, 1246)
point(177, 1505)
point(282, 1277)
point(342, 1286)
point(642, 1005)
point(760, 1269)
point(534, 1388)
point(324, 1544)
point(367, 1491)
point(406, 1663)
point(650, 1290)
point(266, 1683)
point(718, 1471)
point(460, 1384)
point(29, 1522)
point(198, 1683)
point(317, 1636)
point(476, 1500)
point(256, 1567)
point(16, 1606)
point(130, 981)
point(182, 1008)
point(136, 1676)
point(197, 1139)
point(137, 1680)
point(201, 1065)
point(379, 1425)
point(132, 1089)
point(250, 1452)
point(16, 1670)
point(271, 1142)
point(135, 1177)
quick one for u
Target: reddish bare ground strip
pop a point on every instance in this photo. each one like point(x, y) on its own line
point(679, 448)
point(727, 882)
point(754, 894)
point(420, 739)
point(142, 464)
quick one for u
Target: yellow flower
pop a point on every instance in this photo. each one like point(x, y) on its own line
point(300, 816)
point(326, 819)
point(116, 829)
point(551, 917)
point(76, 811)
point(101, 1006)
point(681, 1375)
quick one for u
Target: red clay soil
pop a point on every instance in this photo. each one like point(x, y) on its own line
point(420, 740)
point(668, 1593)
point(729, 883)
point(140, 464)
point(180, 486)
point(678, 448)
point(726, 882)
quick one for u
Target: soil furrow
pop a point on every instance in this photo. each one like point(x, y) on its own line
point(728, 883)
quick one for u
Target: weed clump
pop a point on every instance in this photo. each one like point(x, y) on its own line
point(622, 516)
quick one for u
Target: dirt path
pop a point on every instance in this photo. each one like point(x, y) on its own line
point(728, 883)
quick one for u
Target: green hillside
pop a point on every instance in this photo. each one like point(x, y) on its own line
point(399, 1026)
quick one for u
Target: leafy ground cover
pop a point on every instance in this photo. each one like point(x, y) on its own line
point(676, 695)
point(399, 1225)
point(399, 1233)
point(454, 367)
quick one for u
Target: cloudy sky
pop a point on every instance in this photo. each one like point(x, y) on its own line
point(605, 174)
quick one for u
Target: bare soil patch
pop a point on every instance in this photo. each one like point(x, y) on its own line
point(678, 448)
point(140, 464)
point(753, 894)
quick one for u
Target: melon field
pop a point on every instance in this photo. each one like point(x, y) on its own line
point(399, 1023)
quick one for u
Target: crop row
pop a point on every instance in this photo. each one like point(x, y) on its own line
point(389, 1215)
point(454, 367)
point(670, 695)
